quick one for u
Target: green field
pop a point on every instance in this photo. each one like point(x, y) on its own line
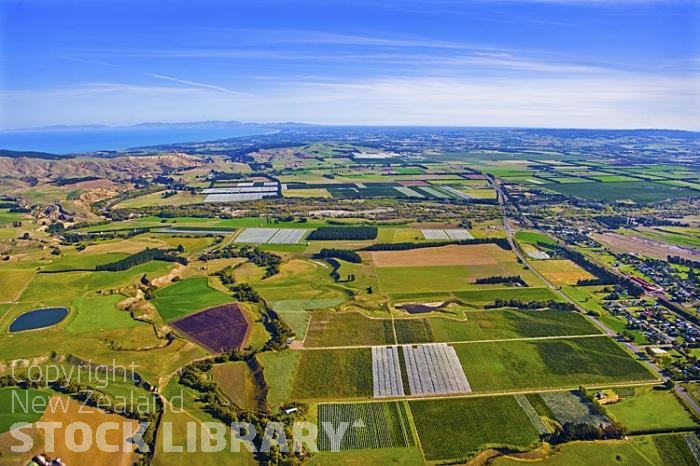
point(96, 312)
point(386, 425)
point(7, 217)
point(299, 279)
point(514, 365)
point(642, 412)
point(534, 237)
point(637, 191)
point(496, 324)
point(280, 370)
point(179, 429)
point(329, 328)
point(444, 278)
point(477, 298)
point(334, 374)
point(636, 451)
point(295, 312)
point(13, 282)
point(585, 297)
point(377, 457)
point(235, 380)
point(80, 261)
point(19, 405)
point(456, 428)
point(188, 296)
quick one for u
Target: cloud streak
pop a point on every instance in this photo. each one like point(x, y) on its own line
point(611, 101)
point(195, 84)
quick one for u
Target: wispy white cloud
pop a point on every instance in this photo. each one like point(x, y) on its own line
point(195, 84)
point(186, 82)
point(605, 101)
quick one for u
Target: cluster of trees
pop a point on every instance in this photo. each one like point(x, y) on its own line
point(501, 242)
point(612, 221)
point(167, 211)
point(76, 237)
point(227, 275)
point(257, 256)
point(604, 276)
point(245, 292)
point(147, 255)
point(344, 233)
point(519, 304)
point(80, 225)
point(280, 332)
point(342, 254)
point(75, 180)
point(335, 275)
point(508, 279)
point(581, 431)
point(55, 228)
point(683, 261)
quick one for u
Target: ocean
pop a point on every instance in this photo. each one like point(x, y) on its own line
point(76, 141)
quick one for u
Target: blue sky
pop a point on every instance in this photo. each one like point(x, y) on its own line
point(553, 63)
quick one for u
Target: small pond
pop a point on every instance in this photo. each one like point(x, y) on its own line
point(39, 318)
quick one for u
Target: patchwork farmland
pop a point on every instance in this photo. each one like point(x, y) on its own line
point(513, 342)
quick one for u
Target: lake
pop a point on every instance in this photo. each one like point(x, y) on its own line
point(39, 318)
point(76, 141)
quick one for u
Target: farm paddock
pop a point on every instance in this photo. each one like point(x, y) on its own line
point(475, 254)
point(454, 429)
point(372, 425)
point(219, 329)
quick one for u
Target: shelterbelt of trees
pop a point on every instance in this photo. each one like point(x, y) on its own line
point(141, 257)
point(257, 256)
point(500, 242)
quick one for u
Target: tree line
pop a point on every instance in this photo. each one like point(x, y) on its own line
point(342, 254)
point(683, 261)
point(344, 233)
point(519, 304)
point(507, 279)
point(257, 256)
point(501, 242)
point(147, 255)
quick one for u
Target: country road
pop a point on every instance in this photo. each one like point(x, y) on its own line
point(511, 240)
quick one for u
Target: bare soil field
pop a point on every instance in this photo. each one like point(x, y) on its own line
point(476, 254)
point(68, 411)
point(561, 271)
point(643, 246)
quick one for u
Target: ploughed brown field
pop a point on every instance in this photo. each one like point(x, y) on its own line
point(66, 411)
point(219, 329)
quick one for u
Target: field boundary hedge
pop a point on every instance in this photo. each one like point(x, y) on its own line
point(501, 242)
